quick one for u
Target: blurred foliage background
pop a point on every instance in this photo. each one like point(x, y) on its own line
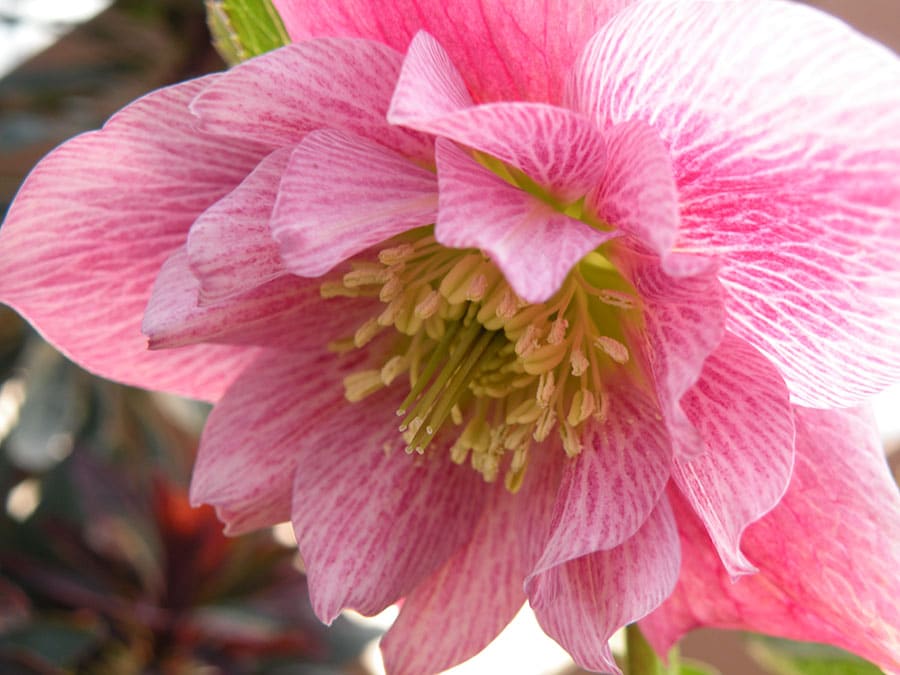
point(104, 567)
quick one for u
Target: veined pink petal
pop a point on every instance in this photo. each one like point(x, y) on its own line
point(482, 581)
point(287, 312)
point(533, 244)
point(342, 194)
point(683, 324)
point(279, 97)
point(230, 246)
point(609, 490)
point(740, 405)
point(282, 402)
point(787, 159)
point(828, 553)
point(89, 229)
point(560, 150)
point(581, 603)
point(507, 50)
point(638, 194)
point(371, 522)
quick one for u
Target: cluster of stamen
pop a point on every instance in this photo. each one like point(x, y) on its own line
point(499, 373)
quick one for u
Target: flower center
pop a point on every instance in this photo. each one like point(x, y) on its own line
point(498, 373)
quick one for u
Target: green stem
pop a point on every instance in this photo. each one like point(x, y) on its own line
point(640, 659)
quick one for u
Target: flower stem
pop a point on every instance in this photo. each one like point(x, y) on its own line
point(640, 659)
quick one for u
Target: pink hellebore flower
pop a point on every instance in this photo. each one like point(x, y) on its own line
point(629, 261)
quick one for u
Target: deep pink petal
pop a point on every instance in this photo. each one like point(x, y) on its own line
point(740, 406)
point(287, 312)
point(279, 97)
point(506, 50)
point(371, 521)
point(558, 149)
point(580, 604)
point(230, 246)
point(828, 554)
point(683, 324)
point(249, 449)
point(90, 228)
point(482, 581)
point(533, 244)
point(638, 194)
point(787, 160)
point(342, 194)
point(609, 490)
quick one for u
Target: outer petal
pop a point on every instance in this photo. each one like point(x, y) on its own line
point(279, 97)
point(287, 312)
point(230, 246)
point(371, 521)
point(583, 602)
point(683, 324)
point(828, 554)
point(787, 160)
point(90, 228)
point(506, 50)
point(534, 245)
point(608, 492)
point(342, 194)
point(741, 408)
point(482, 581)
point(249, 449)
point(560, 150)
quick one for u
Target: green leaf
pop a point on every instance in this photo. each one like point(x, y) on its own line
point(242, 29)
point(783, 657)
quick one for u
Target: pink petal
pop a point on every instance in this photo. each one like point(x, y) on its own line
point(533, 245)
point(482, 581)
point(250, 445)
point(741, 408)
point(609, 490)
point(90, 228)
point(230, 246)
point(560, 150)
point(342, 194)
point(787, 160)
point(828, 554)
point(638, 194)
point(279, 97)
point(506, 50)
point(287, 312)
point(683, 324)
point(371, 521)
point(582, 603)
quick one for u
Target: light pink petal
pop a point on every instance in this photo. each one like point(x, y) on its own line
point(507, 50)
point(828, 553)
point(250, 445)
point(741, 408)
point(287, 312)
point(371, 521)
point(279, 97)
point(482, 581)
point(581, 603)
point(786, 154)
point(90, 228)
point(534, 245)
point(230, 246)
point(609, 490)
point(560, 150)
point(638, 194)
point(683, 324)
point(342, 194)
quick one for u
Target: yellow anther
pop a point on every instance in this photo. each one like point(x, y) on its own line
point(365, 333)
point(616, 299)
point(365, 274)
point(392, 288)
point(455, 284)
point(361, 384)
point(509, 305)
point(579, 362)
point(429, 306)
point(544, 425)
point(458, 452)
point(570, 440)
point(546, 389)
point(544, 359)
point(581, 408)
point(336, 289)
point(396, 254)
point(617, 351)
point(525, 413)
point(528, 341)
point(396, 366)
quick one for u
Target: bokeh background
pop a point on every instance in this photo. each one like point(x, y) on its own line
point(104, 568)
